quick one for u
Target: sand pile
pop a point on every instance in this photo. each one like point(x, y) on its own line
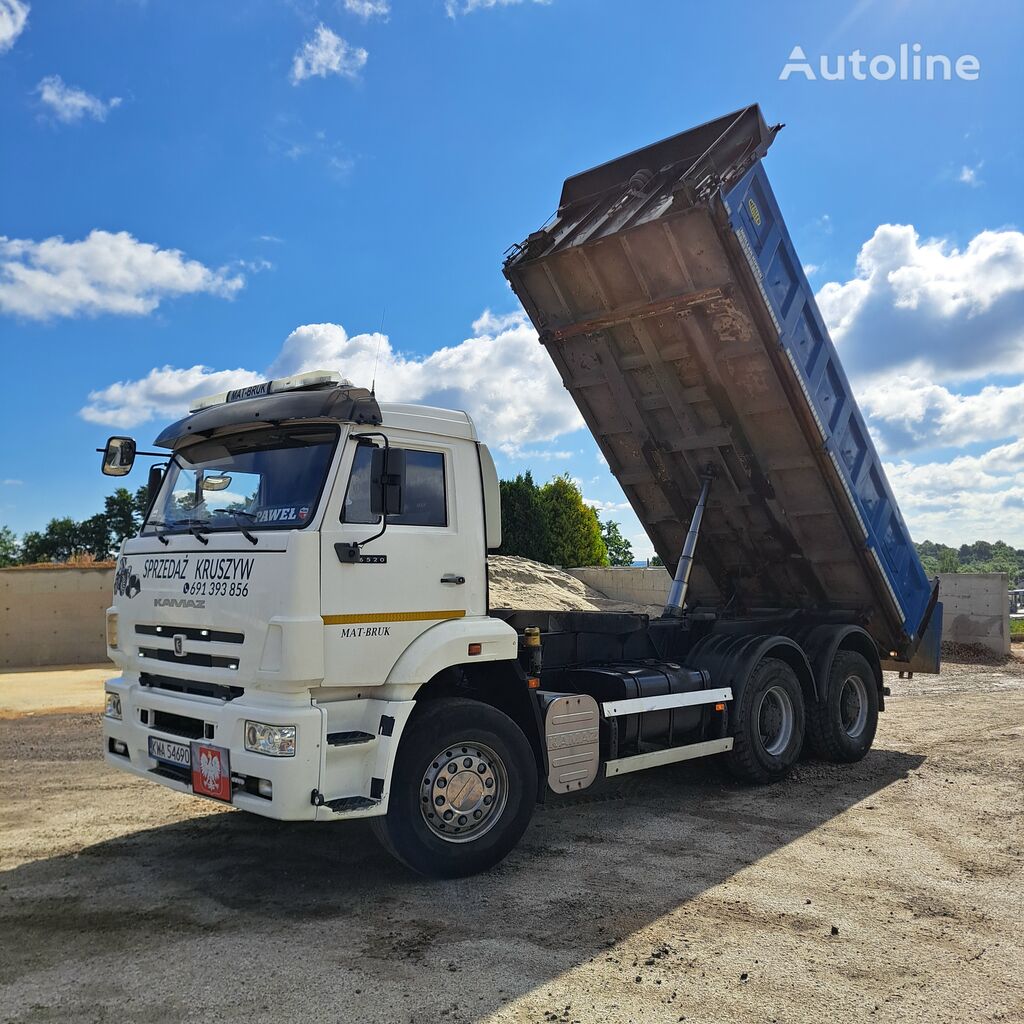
point(521, 583)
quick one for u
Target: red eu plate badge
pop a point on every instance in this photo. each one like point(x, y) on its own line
point(211, 771)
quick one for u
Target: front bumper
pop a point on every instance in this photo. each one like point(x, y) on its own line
point(297, 782)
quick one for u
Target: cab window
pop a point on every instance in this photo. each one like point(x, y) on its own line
point(425, 498)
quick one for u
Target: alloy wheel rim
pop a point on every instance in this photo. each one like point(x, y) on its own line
point(853, 706)
point(776, 720)
point(463, 792)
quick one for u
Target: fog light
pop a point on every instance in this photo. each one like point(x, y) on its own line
point(120, 747)
point(113, 709)
point(265, 788)
point(112, 629)
point(275, 740)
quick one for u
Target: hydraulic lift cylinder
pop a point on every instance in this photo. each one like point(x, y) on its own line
point(681, 580)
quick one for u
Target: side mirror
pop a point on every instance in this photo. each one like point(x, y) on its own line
point(216, 483)
point(118, 456)
point(387, 482)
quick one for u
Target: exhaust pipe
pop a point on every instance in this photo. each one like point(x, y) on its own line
point(681, 581)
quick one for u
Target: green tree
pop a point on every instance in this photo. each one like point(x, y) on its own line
point(656, 561)
point(93, 537)
point(141, 500)
point(57, 543)
point(10, 549)
point(620, 551)
point(120, 512)
point(524, 527)
point(575, 531)
point(948, 561)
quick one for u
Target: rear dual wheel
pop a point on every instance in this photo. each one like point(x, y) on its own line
point(841, 726)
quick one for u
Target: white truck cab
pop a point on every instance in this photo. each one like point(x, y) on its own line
point(271, 629)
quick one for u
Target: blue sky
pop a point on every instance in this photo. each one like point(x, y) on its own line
point(193, 188)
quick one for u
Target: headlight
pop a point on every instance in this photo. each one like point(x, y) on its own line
point(113, 705)
point(112, 629)
point(275, 740)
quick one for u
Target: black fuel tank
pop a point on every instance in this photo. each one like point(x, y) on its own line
point(627, 680)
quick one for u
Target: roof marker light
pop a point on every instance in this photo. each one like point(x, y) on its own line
point(296, 382)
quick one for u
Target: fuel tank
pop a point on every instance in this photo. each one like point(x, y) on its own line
point(629, 680)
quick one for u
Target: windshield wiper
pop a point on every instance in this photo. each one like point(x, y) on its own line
point(236, 514)
point(197, 531)
point(155, 523)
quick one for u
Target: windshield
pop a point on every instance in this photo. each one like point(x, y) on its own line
point(259, 479)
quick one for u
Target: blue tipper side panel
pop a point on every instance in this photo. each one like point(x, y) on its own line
point(755, 217)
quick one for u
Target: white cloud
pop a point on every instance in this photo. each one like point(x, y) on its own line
point(456, 7)
point(929, 309)
point(966, 498)
point(811, 268)
point(69, 104)
point(543, 455)
point(164, 393)
point(502, 358)
point(13, 18)
point(907, 412)
point(368, 8)
point(607, 506)
point(326, 53)
point(103, 273)
point(969, 175)
point(10, 482)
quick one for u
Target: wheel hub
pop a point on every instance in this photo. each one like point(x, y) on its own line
point(853, 705)
point(463, 792)
point(775, 720)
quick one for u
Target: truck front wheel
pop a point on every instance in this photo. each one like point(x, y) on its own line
point(769, 724)
point(841, 726)
point(462, 792)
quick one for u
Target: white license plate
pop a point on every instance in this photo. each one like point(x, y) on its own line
point(171, 752)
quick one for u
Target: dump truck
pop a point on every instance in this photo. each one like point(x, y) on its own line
point(303, 624)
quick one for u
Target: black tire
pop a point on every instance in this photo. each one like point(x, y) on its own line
point(841, 726)
point(771, 692)
point(486, 747)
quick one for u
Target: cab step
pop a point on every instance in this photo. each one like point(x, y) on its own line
point(345, 804)
point(347, 739)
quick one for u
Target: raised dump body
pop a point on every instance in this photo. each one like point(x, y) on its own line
point(668, 293)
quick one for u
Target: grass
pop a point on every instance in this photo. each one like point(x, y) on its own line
point(1017, 629)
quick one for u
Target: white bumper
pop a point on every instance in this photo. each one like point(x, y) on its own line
point(321, 782)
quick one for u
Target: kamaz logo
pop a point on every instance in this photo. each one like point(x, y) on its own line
point(179, 645)
point(177, 602)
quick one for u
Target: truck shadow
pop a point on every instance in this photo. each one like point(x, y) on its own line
point(324, 903)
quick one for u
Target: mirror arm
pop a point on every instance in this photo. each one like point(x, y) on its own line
point(155, 455)
point(350, 552)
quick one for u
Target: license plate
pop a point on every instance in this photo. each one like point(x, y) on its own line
point(170, 752)
point(211, 771)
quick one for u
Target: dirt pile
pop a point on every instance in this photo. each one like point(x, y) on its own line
point(522, 583)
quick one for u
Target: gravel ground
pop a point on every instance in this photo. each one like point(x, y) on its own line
point(890, 890)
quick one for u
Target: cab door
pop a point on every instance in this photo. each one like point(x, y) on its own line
point(428, 566)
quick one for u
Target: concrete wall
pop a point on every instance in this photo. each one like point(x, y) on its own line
point(636, 586)
point(976, 606)
point(54, 616)
point(976, 609)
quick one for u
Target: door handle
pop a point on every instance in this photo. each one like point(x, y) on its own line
point(450, 577)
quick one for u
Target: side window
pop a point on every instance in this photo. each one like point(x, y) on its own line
point(424, 503)
point(425, 497)
point(356, 508)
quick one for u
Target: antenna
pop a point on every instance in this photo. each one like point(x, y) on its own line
point(380, 338)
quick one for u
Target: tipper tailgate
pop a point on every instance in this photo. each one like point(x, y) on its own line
point(668, 293)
